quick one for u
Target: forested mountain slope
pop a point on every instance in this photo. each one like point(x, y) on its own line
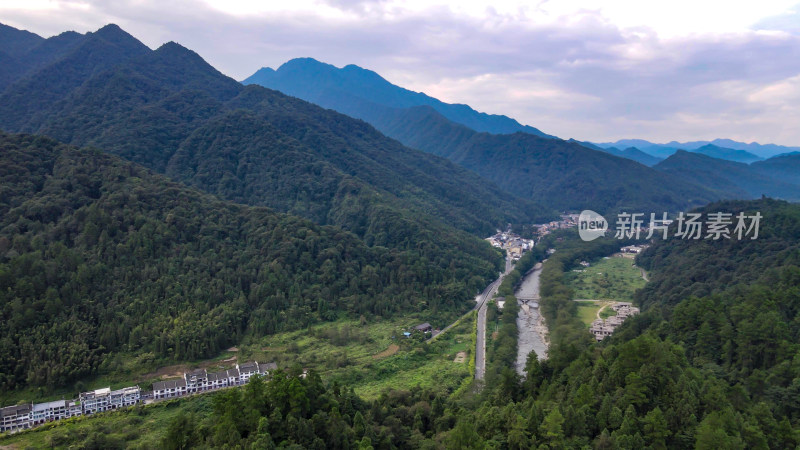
point(100, 255)
point(735, 179)
point(170, 111)
point(558, 174)
point(785, 168)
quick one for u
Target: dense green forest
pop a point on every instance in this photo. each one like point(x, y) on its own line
point(99, 255)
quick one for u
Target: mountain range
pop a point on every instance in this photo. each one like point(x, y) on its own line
point(735, 179)
point(172, 112)
point(559, 174)
point(663, 150)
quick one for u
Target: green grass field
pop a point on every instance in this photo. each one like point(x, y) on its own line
point(587, 311)
point(606, 280)
point(614, 278)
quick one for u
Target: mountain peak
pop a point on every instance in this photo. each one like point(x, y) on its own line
point(173, 49)
point(115, 35)
point(305, 63)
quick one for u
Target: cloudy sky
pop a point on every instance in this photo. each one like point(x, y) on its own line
point(657, 70)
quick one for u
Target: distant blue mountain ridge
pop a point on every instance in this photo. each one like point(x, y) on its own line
point(759, 151)
point(319, 82)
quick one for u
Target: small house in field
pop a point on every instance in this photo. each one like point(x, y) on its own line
point(424, 327)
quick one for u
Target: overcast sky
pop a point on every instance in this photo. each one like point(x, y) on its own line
point(683, 70)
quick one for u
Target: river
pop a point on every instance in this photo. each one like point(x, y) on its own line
point(532, 330)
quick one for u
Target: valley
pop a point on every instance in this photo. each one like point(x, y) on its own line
point(162, 222)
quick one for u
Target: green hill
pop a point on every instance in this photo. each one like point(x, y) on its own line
point(731, 179)
point(100, 255)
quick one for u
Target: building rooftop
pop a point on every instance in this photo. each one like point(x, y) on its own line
point(126, 390)
point(96, 393)
point(197, 373)
point(268, 366)
point(49, 405)
point(169, 384)
point(14, 410)
point(248, 366)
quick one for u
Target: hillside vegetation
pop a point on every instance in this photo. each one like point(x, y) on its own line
point(99, 255)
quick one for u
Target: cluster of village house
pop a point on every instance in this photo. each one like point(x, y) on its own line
point(602, 328)
point(511, 243)
point(516, 246)
point(567, 221)
point(20, 417)
point(633, 248)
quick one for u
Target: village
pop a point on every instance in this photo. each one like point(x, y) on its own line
point(29, 415)
point(601, 328)
point(515, 246)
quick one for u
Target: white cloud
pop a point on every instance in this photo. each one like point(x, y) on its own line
point(593, 70)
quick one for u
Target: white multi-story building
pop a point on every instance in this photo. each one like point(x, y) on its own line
point(14, 418)
point(196, 380)
point(49, 411)
point(246, 371)
point(75, 408)
point(169, 389)
point(96, 401)
point(128, 396)
point(19, 417)
point(224, 378)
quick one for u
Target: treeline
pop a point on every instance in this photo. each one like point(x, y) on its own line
point(290, 411)
point(98, 255)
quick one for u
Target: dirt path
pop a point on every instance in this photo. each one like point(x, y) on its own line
point(388, 352)
point(601, 310)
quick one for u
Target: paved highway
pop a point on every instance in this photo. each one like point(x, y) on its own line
point(482, 301)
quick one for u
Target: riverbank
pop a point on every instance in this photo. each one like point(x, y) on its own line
point(531, 326)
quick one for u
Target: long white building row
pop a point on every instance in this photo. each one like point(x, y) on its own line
point(21, 417)
point(201, 380)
